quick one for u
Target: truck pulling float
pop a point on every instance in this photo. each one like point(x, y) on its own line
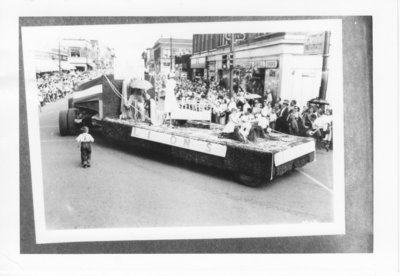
point(100, 103)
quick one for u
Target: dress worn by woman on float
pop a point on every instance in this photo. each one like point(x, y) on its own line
point(234, 120)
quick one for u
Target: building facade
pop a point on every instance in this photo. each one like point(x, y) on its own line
point(162, 57)
point(182, 66)
point(261, 62)
point(52, 60)
point(148, 59)
point(105, 59)
point(82, 53)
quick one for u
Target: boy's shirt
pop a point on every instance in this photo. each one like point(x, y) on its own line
point(85, 137)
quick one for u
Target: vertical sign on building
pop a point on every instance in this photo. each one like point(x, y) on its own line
point(318, 44)
point(314, 44)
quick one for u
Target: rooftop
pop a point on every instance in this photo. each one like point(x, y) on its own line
point(163, 40)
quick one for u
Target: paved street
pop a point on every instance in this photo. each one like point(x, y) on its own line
point(128, 189)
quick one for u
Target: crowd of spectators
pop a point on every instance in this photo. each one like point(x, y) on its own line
point(54, 86)
point(264, 114)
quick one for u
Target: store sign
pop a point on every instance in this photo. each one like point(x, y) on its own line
point(179, 141)
point(198, 62)
point(270, 64)
point(244, 64)
point(63, 58)
point(259, 63)
point(314, 44)
point(201, 60)
point(237, 37)
point(194, 62)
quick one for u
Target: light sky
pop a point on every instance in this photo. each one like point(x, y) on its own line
point(129, 41)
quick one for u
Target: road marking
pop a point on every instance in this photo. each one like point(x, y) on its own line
point(315, 181)
point(54, 140)
point(48, 126)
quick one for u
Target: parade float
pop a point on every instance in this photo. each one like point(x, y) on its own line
point(182, 131)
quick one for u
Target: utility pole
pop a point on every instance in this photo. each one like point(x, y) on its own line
point(325, 70)
point(207, 68)
point(59, 57)
point(231, 67)
point(170, 46)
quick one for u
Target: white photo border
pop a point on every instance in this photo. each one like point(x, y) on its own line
point(337, 227)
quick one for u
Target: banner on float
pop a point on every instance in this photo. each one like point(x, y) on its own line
point(179, 141)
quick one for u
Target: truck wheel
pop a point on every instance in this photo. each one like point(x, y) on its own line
point(70, 102)
point(251, 181)
point(71, 116)
point(62, 122)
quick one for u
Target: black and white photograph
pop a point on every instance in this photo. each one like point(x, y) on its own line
point(199, 137)
point(188, 130)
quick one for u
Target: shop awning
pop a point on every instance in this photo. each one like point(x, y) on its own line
point(46, 66)
point(91, 64)
point(198, 65)
point(67, 66)
point(52, 66)
point(198, 62)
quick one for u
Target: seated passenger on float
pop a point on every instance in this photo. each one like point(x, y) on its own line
point(232, 127)
point(134, 106)
point(130, 107)
point(246, 126)
point(140, 110)
point(262, 128)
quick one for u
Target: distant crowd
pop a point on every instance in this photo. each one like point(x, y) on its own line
point(54, 86)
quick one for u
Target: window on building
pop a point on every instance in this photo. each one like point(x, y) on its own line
point(214, 41)
point(75, 52)
point(166, 53)
point(157, 54)
point(219, 38)
point(200, 43)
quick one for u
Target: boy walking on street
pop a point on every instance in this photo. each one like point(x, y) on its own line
point(85, 140)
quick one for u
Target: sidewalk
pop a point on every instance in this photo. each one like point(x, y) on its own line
point(322, 168)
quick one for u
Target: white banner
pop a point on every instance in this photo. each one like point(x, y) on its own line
point(293, 153)
point(179, 141)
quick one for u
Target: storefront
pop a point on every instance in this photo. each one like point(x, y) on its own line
point(198, 73)
point(198, 66)
point(257, 75)
point(211, 71)
point(284, 69)
point(271, 78)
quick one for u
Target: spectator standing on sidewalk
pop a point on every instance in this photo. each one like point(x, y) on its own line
point(282, 121)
